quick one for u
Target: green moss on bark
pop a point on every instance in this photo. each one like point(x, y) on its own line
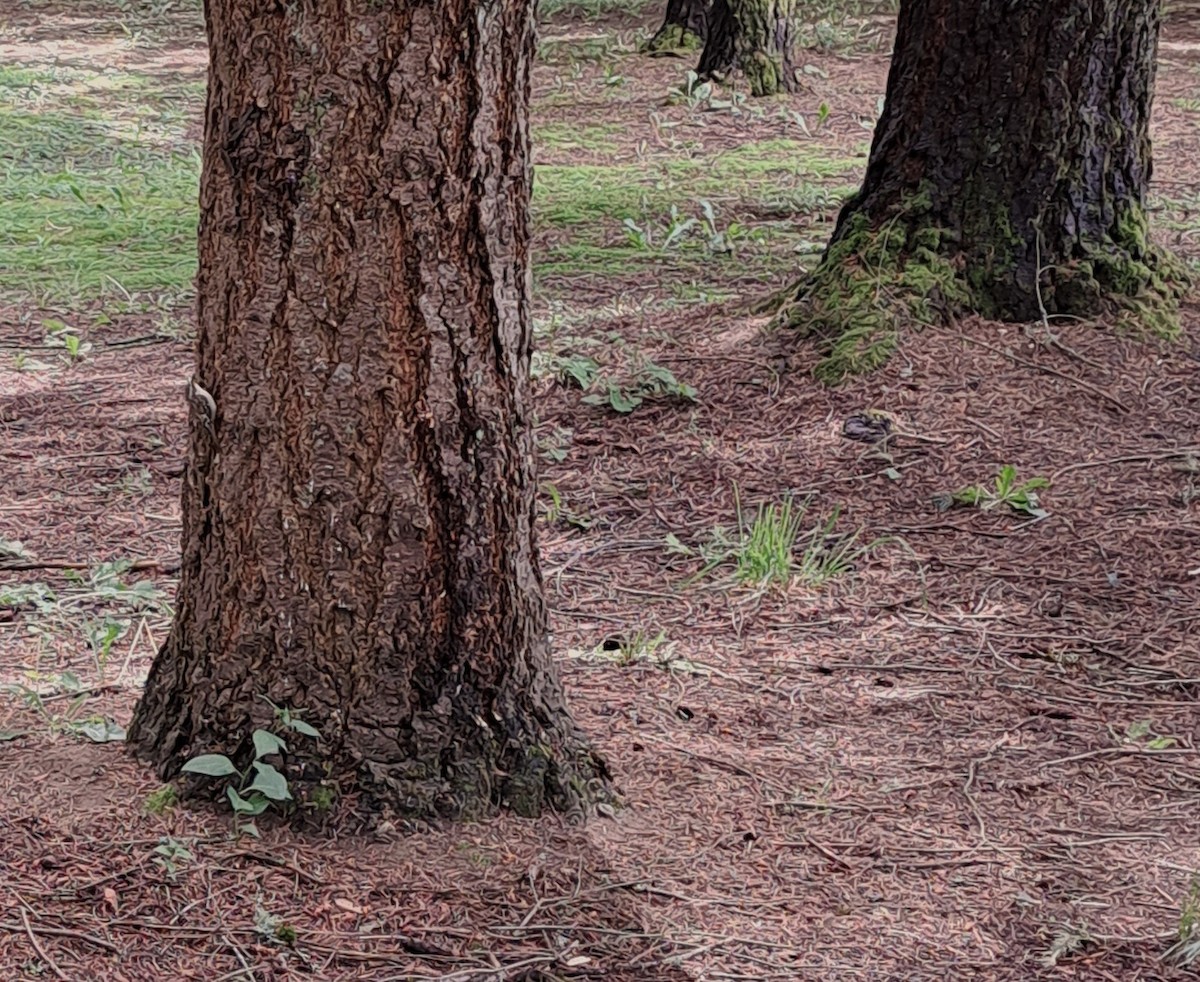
point(673, 39)
point(874, 282)
point(765, 73)
point(869, 285)
point(1127, 276)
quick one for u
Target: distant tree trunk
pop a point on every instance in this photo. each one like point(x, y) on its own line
point(684, 28)
point(757, 37)
point(1008, 176)
point(358, 513)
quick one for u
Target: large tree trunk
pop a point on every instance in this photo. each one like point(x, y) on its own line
point(358, 513)
point(757, 37)
point(684, 28)
point(1007, 177)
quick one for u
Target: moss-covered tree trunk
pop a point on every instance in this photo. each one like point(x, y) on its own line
point(756, 37)
point(358, 512)
point(1007, 176)
point(684, 28)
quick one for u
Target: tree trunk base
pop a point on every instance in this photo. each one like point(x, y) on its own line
point(757, 37)
point(448, 764)
point(470, 772)
point(878, 279)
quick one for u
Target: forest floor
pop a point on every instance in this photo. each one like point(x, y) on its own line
point(974, 755)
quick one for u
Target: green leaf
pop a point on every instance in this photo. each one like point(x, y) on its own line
point(101, 731)
point(1006, 479)
point(267, 743)
point(270, 782)
point(892, 474)
point(581, 369)
point(8, 735)
point(248, 828)
point(210, 765)
point(622, 401)
point(305, 729)
point(255, 804)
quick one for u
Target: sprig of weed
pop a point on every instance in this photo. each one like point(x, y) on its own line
point(1019, 496)
point(766, 546)
point(648, 380)
point(71, 721)
point(557, 510)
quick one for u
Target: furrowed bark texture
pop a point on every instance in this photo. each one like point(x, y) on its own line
point(757, 37)
point(358, 521)
point(1014, 144)
point(684, 27)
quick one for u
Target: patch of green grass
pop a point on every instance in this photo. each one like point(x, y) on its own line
point(589, 8)
point(628, 219)
point(765, 547)
point(772, 546)
point(573, 51)
point(566, 195)
point(600, 138)
point(98, 185)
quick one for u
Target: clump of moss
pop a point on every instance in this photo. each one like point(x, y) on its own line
point(871, 283)
point(673, 39)
point(1128, 275)
point(765, 74)
point(879, 278)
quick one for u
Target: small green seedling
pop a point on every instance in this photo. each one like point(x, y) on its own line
point(260, 785)
point(557, 510)
point(1020, 497)
point(636, 646)
point(161, 801)
point(72, 721)
point(171, 853)
point(62, 335)
point(649, 381)
point(273, 927)
point(1142, 732)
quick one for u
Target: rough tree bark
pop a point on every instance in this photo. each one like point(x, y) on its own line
point(1007, 176)
point(358, 512)
point(757, 37)
point(684, 28)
